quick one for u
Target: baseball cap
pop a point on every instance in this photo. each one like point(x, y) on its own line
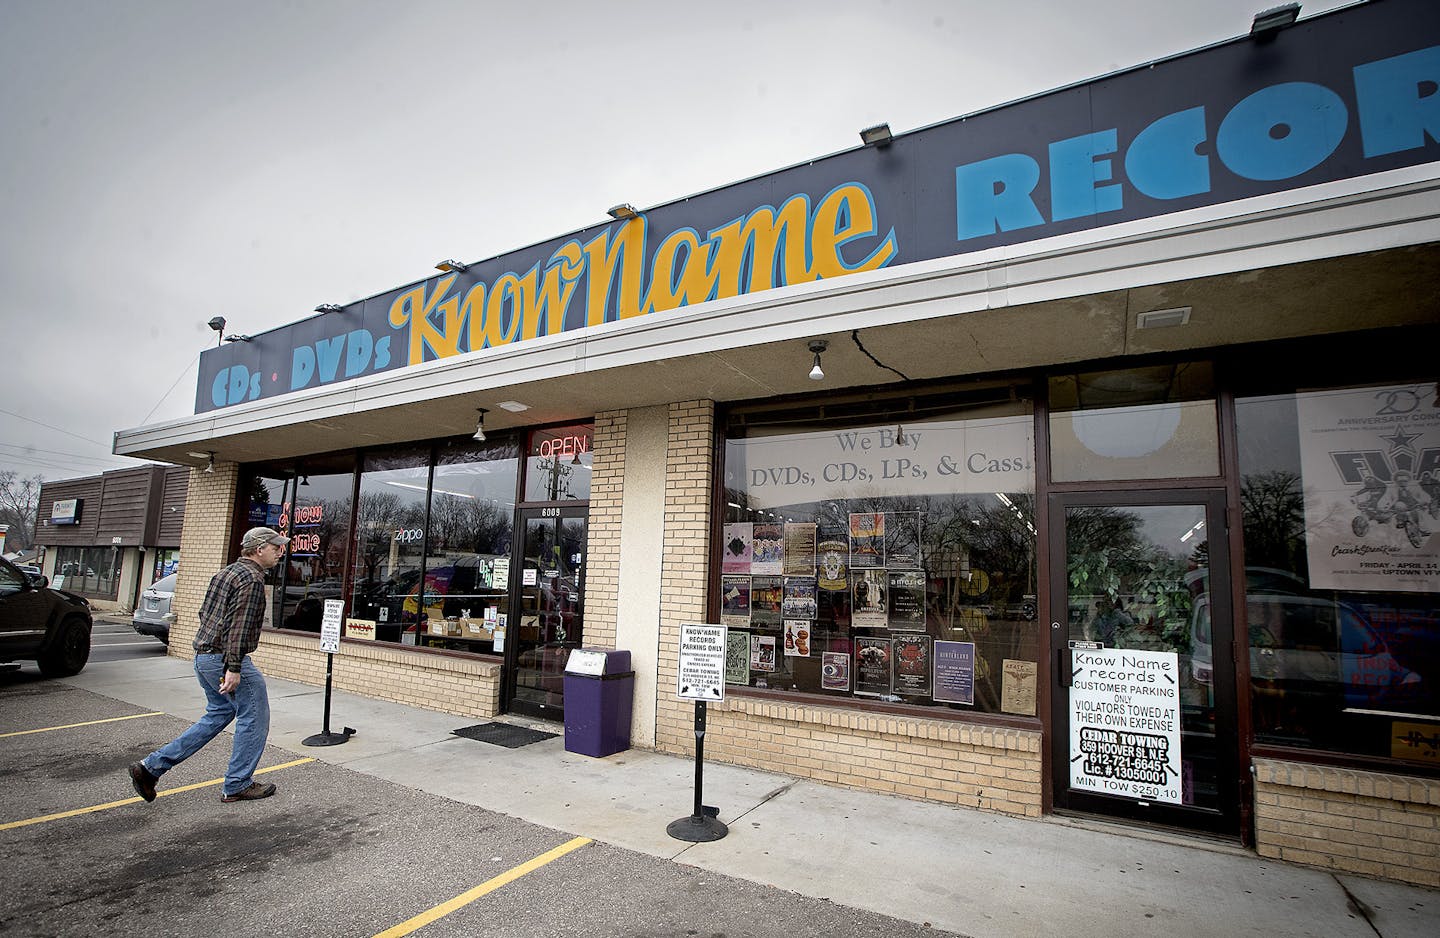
point(258, 537)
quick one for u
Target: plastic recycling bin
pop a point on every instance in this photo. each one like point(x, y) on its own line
point(599, 695)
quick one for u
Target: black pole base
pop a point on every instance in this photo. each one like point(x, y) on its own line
point(697, 830)
point(328, 739)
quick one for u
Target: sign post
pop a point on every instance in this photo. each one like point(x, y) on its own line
point(700, 677)
point(330, 643)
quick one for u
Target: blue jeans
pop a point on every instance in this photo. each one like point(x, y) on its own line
point(249, 707)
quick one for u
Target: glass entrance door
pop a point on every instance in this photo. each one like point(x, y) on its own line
point(1144, 685)
point(547, 618)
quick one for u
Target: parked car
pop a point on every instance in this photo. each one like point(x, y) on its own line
point(29, 569)
point(48, 626)
point(152, 615)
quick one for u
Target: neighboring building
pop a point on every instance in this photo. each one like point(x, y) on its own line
point(1114, 491)
point(109, 536)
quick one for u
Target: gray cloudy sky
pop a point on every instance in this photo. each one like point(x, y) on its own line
point(166, 162)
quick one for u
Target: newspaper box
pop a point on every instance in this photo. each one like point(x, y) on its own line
point(599, 692)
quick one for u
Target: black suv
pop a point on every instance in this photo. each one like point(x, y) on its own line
point(48, 626)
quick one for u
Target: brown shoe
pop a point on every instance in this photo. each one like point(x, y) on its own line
point(255, 792)
point(143, 781)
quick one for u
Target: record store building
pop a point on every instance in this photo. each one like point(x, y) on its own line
point(1080, 455)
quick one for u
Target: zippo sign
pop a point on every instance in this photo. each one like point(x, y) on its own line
point(1344, 94)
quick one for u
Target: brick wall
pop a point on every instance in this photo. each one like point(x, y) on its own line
point(984, 767)
point(468, 687)
point(602, 552)
point(1350, 820)
point(204, 548)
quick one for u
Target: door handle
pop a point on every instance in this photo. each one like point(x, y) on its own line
point(1064, 666)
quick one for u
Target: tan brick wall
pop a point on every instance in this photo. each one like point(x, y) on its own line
point(990, 768)
point(1350, 820)
point(204, 548)
point(602, 552)
point(468, 687)
point(689, 476)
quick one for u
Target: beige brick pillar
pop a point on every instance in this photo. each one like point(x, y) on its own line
point(689, 487)
point(602, 533)
point(204, 547)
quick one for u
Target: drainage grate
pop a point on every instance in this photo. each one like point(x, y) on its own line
point(503, 734)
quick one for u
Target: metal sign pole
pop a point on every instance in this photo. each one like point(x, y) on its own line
point(329, 643)
point(703, 825)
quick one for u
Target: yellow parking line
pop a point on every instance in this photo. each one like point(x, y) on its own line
point(71, 726)
point(465, 898)
point(138, 800)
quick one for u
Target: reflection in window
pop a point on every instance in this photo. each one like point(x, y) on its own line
point(390, 543)
point(557, 467)
point(1344, 646)
point(887, 561)
point(89, 571)
point(317, 520)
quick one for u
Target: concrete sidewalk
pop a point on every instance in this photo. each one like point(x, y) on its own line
point(959, 870)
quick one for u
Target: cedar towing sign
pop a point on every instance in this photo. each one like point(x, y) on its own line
point(1344, 94)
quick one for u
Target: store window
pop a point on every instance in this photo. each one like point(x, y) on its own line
point(1154, 422)
point(389, 554)
point(316, 517)
point(472, 520)
point(883, 552)
point(1340, 497)
point(89, 571)
point(557, 465)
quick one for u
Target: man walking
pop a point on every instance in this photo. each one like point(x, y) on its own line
point(230, 620)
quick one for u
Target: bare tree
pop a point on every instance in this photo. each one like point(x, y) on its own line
point(19, 505)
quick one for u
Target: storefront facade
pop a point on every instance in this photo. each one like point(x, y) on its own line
point(1080, 456)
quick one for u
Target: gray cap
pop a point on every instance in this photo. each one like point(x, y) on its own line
point(255, 538)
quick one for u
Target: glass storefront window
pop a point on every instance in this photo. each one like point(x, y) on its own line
point(89, 571)
point(1340, 496)
point(317, 520)
point(271, 492)
point(389, 549)
point(884, 560)
point(1156, 422)
point(472, 519)
point(557, 466)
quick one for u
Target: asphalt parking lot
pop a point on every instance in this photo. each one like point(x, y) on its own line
point(334, 853)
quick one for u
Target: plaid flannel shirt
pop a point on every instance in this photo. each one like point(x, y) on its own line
point(232, 613)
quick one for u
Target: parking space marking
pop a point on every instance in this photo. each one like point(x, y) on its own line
point(59, 816)
point(489, 886)
point(71, 726)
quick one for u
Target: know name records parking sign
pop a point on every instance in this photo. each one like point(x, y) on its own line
point(701, 673)
point(1125, 724)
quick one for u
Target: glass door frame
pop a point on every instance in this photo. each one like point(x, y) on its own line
point(558, 513)
point(1226, 820)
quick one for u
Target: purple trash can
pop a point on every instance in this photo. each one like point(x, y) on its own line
point(599, 696)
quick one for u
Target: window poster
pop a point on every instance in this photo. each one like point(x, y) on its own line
point(767, 551)
point(1017, 686)
point(735, 602)
point(955, 672)
point(1370, 463)
point(902, 540)
point(906, 600)
point(762, 652)
point(867, 600)
point(738, 547)
point(872, 667)
point(799, 549)
point(799, 597)
point(912, 665)
point(737, 657)
point(835, 670)
point(797, 637)
point(833, 555)
point(766, 595)
point(867, 539)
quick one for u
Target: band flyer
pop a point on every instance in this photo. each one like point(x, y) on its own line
point(833, 558)
point(735, 602)
point(867, 539)
point(835, 670)
point(912, 665)
point(799, 597)
point(955, 672)
point(737, 657)
point(902, 540)
point(906, 608)
point(799, 549)
point(738, 547)
point(768, 549)
point(766, 594)
point(797, 638)
point(762, 653)
point(872, 667)
point(867, 600)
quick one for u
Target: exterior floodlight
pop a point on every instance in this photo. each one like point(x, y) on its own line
point(210, 466)
point(452, 267)
point(817, 346)
point(877, 136)
point(218, 324)
point(1269, 22)
point(237, 337)
point(622, 211)
point(479, 436)
point(329, 308)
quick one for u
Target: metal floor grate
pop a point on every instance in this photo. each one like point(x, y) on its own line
point(503, 734)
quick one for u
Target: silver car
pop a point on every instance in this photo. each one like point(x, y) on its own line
point(152, 615)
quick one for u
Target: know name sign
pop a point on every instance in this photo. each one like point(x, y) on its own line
point(701, 674)
point(1125, 724)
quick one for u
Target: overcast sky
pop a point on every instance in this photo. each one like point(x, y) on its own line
point(166, 162)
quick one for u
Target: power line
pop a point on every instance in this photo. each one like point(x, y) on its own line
point(50, 427)
point(27, 450)
point(185, 371)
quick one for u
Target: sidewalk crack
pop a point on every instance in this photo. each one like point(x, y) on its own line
point(1355, 905)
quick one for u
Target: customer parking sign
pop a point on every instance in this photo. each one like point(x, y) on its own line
point(1125, 724)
